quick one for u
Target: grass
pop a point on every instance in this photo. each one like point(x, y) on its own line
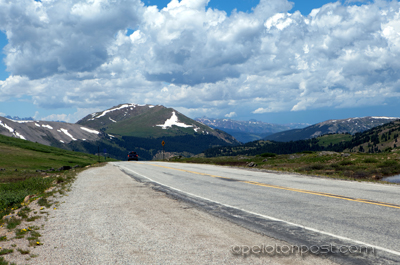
point(24, 252)
point(6, 251)
point(357, 166)
point(333, 139)
point(20, 160)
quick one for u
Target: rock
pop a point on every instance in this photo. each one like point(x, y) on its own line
point(64, 168)
point(324, 153)
point(251, 164)
point(296, 156)
point(27, 198)
point(76, 166)
point(345, 155)
point(265, 160)
point(2, 169)
point(16, 170)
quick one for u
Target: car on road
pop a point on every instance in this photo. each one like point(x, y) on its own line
point(133, 156)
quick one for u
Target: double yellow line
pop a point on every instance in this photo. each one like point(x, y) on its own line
point(391, 205)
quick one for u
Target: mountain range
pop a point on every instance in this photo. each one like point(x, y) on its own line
point(126, 127)
point(121, 129)
point(350, 125)
point(247, 131)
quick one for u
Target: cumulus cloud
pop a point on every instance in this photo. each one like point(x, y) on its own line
point(231, 114)
point(78, 53)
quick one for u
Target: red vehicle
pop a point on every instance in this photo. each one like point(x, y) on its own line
point(133, 156)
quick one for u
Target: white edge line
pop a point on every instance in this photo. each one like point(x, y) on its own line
point(271, 218)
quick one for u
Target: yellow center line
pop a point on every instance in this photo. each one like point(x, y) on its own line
point(287, 188)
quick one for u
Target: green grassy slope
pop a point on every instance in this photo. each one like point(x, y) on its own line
point(20, 159)
point(25, 170)
point(329, 139)
point(145, 125)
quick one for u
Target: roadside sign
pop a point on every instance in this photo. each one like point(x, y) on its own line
point(163, 143)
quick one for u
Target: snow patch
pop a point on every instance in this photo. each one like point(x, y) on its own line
point(111, 119)
point(47, 126)
point(67, 133)
point(38, 125)
point(151, 106)
point(20, 136)
point(173, 121)
point(7, 127)
point(89, 130)
point(62, 141)
point(114, 109)
point(385, 118)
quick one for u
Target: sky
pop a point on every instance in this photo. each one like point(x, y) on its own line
point(270, 60)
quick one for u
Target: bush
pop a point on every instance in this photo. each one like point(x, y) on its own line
point(268, 155)
point(388, 163)
point(370, 160)
point(346, 163)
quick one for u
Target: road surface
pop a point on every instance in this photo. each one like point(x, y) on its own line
point(309, 211)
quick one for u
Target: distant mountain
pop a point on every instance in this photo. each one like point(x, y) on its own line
point(350, 125)
point(16, 118)
point(247, 131)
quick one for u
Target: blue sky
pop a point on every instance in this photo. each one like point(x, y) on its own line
point(268, 63)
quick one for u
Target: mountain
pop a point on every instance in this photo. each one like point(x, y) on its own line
point(383, 138)
point(149, 121)
point(351, 125)
point(247, 131)
point(123, 128)
point(47, 132)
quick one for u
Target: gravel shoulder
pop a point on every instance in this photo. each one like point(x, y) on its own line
point(109, 218)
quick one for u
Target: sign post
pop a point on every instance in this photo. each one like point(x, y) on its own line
point(163, 143)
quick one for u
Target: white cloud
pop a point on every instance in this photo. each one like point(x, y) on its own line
point(187, 56)
point(231, 114)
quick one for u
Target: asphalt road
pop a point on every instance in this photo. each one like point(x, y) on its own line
point(298, 209)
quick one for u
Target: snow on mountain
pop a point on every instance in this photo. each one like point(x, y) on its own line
point(173, 121)
point(90, 130)
point(349, 125)
point(128, 106)
point(46, 132)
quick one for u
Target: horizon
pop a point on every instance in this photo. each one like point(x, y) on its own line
point(273, 61)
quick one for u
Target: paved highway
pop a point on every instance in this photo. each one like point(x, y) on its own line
point(298, 209)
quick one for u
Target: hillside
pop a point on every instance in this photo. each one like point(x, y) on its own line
point(247, 131)
point(47, 132)
point(379, 139)
point(149, 121)
point(351, 125)
point(20, 159)
point(123, 128)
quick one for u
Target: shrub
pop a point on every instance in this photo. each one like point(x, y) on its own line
point(268, 155)
point(388, 163)
point(370, 160)
point(317, 167)
point(346, 163)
